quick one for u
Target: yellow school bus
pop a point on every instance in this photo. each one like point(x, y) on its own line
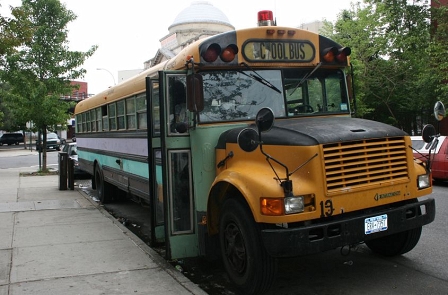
point(245, 148)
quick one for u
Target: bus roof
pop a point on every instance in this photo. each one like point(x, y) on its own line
point(242, 40)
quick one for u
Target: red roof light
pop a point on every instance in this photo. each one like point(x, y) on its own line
point(265, 15)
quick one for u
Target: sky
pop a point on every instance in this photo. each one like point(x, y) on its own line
point(128, 32)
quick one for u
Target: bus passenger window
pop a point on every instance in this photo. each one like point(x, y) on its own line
point(121, 115)
point(112, 117)
point(99, 119)
point(178, 103)
point(105, 118)
point(141, 112)
point(181, 192)
point(130, 113)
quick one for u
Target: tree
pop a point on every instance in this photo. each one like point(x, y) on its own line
point(437, 50)
point(39, 71)
point(14, 31)
point(389, 41)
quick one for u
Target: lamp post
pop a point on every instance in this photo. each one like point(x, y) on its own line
point(102, 69)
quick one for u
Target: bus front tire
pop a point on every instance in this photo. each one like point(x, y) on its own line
point(103, 189)
point(395, 244)
point(246, 261)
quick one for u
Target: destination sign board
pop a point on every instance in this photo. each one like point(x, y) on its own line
point(278, 51)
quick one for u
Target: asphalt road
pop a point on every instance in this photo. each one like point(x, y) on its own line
point(422, 271)
point(30, 159)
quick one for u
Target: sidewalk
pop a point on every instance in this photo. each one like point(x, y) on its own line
point(61, 242)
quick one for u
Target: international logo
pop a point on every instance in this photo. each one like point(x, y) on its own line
point(386, 195)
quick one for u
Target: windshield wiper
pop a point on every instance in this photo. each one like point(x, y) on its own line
point(259, 78)
point(305, 77)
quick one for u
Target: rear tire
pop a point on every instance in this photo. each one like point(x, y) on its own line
point(245, 259)
point(396, 244)
point(103, 189)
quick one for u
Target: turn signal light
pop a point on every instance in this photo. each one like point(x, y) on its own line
point(328, 54)
point(228, 54)
point(332, 54)
point(273, 207)
point(211, 53)
point(214, 51)
point(343, 53)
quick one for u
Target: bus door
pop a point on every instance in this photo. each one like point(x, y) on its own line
point(155, 178)
point(175, 154)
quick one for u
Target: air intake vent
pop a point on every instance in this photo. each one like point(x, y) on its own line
point(358, 164)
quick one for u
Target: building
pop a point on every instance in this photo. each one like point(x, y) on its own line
point(80, 93)
point(314, 27)
point(200, 20)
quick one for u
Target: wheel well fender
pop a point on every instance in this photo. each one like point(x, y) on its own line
point(219, 193)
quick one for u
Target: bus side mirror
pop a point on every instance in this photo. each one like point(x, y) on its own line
point(249, 139)
point(264, 119)
point(439, 111)
point(195, 93)
point(428, 133)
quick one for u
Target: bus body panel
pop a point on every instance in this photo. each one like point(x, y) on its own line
point(348, 230)
point(254, 178)
point(349, 180)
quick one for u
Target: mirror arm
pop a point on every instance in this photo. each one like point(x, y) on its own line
point(286, 184)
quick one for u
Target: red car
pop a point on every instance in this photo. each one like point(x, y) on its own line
point(439, 156)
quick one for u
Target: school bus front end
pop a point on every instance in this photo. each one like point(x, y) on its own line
point(306, 177)
point(343, 176)
point(315, 184)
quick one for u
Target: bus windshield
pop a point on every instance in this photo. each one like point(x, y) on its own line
point(239, 95)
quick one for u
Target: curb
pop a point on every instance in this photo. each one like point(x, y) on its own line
point(160, 261)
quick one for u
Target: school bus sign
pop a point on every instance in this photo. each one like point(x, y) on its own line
point(279, 50)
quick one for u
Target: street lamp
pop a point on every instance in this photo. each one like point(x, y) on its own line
point(102, 69)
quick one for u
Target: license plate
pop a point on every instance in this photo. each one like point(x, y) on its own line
point(375, 224)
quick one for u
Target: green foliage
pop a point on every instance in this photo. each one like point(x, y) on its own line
point(437, 51)
point(397, 78)
point(14, 31)
point(39, 71)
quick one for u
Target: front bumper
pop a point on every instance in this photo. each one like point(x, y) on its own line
point(315, 238)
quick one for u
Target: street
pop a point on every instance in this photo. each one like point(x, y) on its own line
point(424, 270)
point(28, 158)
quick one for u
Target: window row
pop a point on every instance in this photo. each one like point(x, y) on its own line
point(127, 114)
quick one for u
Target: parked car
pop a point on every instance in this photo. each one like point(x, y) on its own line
point(63, 140)
point(11, 138)
point(439, 156)
point(72, 151)
point(53, 142)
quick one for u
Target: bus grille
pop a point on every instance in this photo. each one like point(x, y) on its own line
point(357, 164)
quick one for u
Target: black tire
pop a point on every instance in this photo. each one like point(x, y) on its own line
point(103, 189)
point(245, 259)
point(396, 244)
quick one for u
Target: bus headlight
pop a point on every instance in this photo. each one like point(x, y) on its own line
point(424, 181)
point(282, 206)
point(294, 205)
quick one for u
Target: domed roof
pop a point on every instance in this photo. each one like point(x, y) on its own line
point(201, 12)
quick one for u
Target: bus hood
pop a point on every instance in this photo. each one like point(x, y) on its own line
point(320, 130)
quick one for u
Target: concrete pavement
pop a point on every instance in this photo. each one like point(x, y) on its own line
point(61, 242)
